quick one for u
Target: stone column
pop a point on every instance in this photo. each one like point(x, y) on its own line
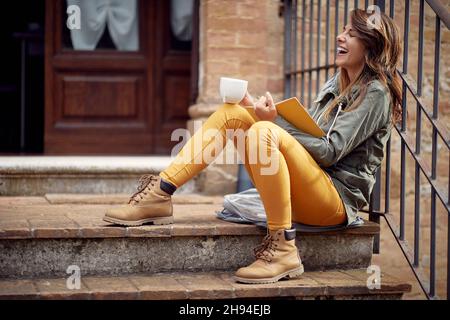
point(240, 39)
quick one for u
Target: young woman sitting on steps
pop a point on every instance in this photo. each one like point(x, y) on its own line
point(318, 181)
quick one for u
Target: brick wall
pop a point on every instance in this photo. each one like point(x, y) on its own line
point(238, 39)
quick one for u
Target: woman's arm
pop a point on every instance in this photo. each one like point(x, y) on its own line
point(351, 128)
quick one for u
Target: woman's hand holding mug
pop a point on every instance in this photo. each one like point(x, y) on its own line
point(248, 101)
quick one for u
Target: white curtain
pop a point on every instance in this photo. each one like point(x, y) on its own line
point(181, 19)
point(119, 15)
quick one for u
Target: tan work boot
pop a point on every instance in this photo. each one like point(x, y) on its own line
point(276, 258)
point(148, 204)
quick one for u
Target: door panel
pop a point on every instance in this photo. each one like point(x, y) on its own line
point(96, 96)
point(178, 84)
point(173, 86)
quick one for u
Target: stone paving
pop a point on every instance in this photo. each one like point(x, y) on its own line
point(70, 216)
point(65, 216)
point(62, 216)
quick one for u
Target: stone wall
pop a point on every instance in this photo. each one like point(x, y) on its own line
point(239, 39)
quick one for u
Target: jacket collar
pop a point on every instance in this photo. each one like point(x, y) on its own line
point(332, 87)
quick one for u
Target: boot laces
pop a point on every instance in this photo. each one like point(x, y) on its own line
point(144, 181)
point(266, 249)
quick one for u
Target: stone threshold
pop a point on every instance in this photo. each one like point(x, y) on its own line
point(50, 217)
point(39, 175)
point(349, 284)
point(55, 165)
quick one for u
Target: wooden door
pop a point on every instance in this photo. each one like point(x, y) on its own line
point(108, 101)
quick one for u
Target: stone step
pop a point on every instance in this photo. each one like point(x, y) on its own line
point(42, 238)
point(38, 175)
point(350, 284)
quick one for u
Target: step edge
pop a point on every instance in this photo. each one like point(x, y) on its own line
point(158, 232)
point(30, 165)
point(226, 291)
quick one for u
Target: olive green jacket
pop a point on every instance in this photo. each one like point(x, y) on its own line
point(353, 148)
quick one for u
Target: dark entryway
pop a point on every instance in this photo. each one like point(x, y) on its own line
point(22, 77)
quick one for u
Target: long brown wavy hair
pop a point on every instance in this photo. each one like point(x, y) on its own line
point(382, 43)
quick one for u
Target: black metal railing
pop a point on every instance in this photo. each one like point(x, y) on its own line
point(305, 12)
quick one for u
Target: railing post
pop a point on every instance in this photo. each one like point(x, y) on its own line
point(287, 46)
point(381, 4)
point(375, 205)
point(294, 49)
point(375, 198)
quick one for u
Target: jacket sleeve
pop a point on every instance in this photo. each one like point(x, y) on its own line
point(351, 129)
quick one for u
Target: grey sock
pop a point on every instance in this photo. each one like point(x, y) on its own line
point(167, 187)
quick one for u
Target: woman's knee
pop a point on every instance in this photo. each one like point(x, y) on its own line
point(262, 134)
point(263, 124)
point(233, 111)
point(263, 131)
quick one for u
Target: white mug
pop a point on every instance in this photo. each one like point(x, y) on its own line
point(232, 90)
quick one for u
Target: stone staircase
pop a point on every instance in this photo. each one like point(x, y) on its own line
point(41, 237)
point(48, 226)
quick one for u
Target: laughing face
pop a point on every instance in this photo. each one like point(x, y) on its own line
point(350, 50)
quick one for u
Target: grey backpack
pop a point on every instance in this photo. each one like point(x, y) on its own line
point(247, 207)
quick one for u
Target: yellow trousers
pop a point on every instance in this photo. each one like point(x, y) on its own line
point(298, 190)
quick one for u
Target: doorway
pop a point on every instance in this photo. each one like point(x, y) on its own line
point(111, 95)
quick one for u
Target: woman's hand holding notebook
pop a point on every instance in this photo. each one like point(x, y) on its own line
point(293, 111)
